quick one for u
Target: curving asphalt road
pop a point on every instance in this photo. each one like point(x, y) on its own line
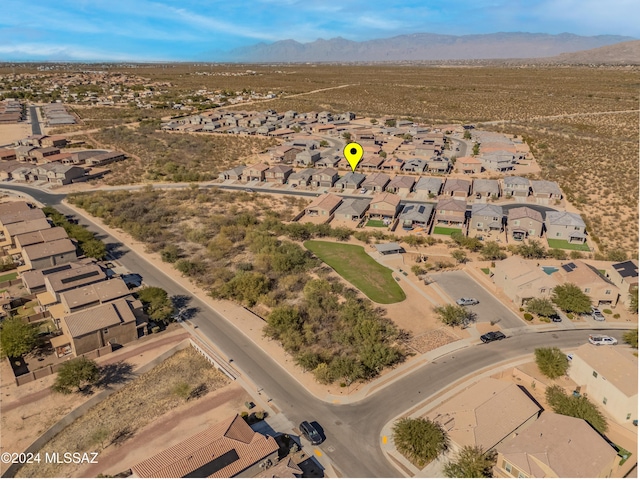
point(353, 430)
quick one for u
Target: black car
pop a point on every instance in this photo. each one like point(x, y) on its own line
point(310, 433)
point(492, 336)
point(555, 317)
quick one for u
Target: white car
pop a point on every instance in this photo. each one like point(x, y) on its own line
point(467, 301)
point(363, 190)
point(602, 340)
point(597, 315)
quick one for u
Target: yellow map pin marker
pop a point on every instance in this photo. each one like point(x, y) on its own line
point(353, 152)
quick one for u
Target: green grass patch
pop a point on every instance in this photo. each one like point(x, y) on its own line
point(375, 223)
point(565, 245)
point(8, 276)
point(353, 264)
point(486, 271)
point(445, 230)
point(624, 453)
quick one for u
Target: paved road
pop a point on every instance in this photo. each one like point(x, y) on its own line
point(35, 123)
point(352, 431)
point(458, 284)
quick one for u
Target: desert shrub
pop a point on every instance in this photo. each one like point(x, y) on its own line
point(528, 316)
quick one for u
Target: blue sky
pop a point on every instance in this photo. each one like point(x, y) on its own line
point(149, 30)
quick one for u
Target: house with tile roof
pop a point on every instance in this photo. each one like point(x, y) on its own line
point(352, 209)
point(113, 323)
point(401, 185)
point(416, 215)
point(545, 191)
point(324, 205)
point(351, 181)
point(521, 280)
point(376, 182)
point(450, 212)
point(556, 446)
point(456, 188)
point(485, 413)
point(384, 206)
point(278, 173)
point(429, 186)
point(486, 217)
point(609, 376)
point(600, 289)
point(468, 165)
point(624, 275)
point(255, 172)
point(516, 186)
point(567, 226)
point(49, 254)
point(485, 188)
point(225, 450)
point(524, 222)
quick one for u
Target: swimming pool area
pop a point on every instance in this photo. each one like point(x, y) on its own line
point(549, 270)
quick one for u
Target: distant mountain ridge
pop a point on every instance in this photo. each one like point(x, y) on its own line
point(625, 53)
point(424, 46)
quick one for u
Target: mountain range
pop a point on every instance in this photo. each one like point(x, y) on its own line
point(425, 46)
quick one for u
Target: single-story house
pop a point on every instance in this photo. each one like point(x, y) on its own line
point(225, 450)
point(415, 165)
point(331, 161)
point(350, 181)
point(307, 158)
point(324, 205)
point(352, 209)
point(401, 185)
point(388, 248)
point(376, 182)
point(429, 185)
point(416, 215)
point(545, 191)
point(483, 188)
point(456, 188)
point(524, 222)
point(234, 173)
point(392, 164)
point(486, 217)
point(105, 158)
point(371, 162)
point(565, 226)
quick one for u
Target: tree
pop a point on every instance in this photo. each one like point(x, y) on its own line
point(94, 248)
point(420, 440)
point(157, 303)
point(17, 337)
point(476, 148)
point(467, 135)
point(633, 300)
point(454, 315)
point(459, 256)
point(577, 407)
point(390, 122)
point(471, 462)
point(383, 154)
point(373, 121)
point(617, 255)
point(531, 249)
point(569, 298)
point(79, 372)
point(552, 362)
point(324, 143)
point(346, 135)
point(631, 338)
point(557, 254)
point(541, 307)
point(492, 251)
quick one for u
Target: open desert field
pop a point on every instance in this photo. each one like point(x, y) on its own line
point(11, 132)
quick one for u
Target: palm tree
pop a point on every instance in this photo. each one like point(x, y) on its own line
point(419, 439)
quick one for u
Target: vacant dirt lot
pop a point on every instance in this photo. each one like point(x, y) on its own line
point(9, 133)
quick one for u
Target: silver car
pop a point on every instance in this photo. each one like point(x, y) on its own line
point(467, 301)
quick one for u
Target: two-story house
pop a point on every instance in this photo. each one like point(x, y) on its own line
point(524, 222)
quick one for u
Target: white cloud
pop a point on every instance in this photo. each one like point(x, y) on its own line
point(64, 52)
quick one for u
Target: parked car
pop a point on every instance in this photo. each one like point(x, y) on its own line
point(492, 336)
point(310, 433)
point(555, 317)
point(249, 190)
point(602, 340)
point(363, 190)
point(467, 301)
point(597, 314)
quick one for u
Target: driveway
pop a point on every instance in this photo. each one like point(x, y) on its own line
point(458, 284)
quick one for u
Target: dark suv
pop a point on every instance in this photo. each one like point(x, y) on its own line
point(310, 433)
point(492, 336)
